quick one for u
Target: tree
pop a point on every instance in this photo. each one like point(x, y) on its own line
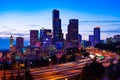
point(53, 58)
point(110, 71)
point(92, 71)
point(113, 71)
point(63, 59)
point(73, 57)
point(28, 75)
point(86, 54)
point(118, 69)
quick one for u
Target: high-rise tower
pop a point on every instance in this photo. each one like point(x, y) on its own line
point(19, 42)
point(57, 31)
point(45, 37)
point(11, 41)
point(72, 36)
point(80, 40)
point(91, 40)
point(96, 35)
point(33, 37)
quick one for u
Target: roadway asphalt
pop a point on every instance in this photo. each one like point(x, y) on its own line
point(62, 71)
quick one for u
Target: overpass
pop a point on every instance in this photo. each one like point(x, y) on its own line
point(58, 71)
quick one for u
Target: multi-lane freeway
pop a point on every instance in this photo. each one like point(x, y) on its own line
point(61, 71)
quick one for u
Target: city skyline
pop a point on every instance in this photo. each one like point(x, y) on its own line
point(18, 18)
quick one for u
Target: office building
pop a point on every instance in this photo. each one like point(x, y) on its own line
point(117, 38)
point(72, 36)
point(80, 40)
point(113, 39)
point(85, 44)
point(11, 41)
point(33, 37)
point(91, 40)
point(96, 35)
point(57, 31)
point(45, 37)
point(19, 42)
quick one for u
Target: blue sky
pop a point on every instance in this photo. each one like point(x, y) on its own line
point(17, 17)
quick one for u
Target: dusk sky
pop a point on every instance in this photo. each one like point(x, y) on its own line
point(18, 17)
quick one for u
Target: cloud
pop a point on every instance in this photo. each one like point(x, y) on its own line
point(14, 34)
point(115, 24)
point(4, 27)
point(32, 25)
point(111, 31)
point(112, 23)
point(64, 24)
point(20, 34)
point(99, 21)
point(105, 31)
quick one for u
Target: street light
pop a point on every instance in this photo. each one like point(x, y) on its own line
point(66, 79)
point(50, 61)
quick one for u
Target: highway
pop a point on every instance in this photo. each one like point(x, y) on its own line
point(52, 72)
point(62, 71)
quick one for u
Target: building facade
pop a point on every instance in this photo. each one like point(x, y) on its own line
point(57, 31)
point(96, 35)
point(72, 36)
point(11, 41)
point(45, 37)
point(91, 40)
point(80, 40)
point(19, 42)
point(33, 37)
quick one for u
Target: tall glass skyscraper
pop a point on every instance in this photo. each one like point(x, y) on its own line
point(45, 37)
point(80, 40)
point(33, 37)
point(96, 35)
point(72, 36)
point(91, 40)
point(19, 42)
point(57, 31)
point(11, 41)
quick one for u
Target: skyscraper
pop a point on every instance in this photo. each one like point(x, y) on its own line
point(57, 31)
point(12, 46)
point(42, 35)
point(91, 40)
point(96, 35)
point(72, 36)
point(33, 37)
point(45, 37)
point(19, 42)
point(48, 39)
point(11, 41)
point(80, 40)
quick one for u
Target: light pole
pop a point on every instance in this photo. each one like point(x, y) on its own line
point(50, 61)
